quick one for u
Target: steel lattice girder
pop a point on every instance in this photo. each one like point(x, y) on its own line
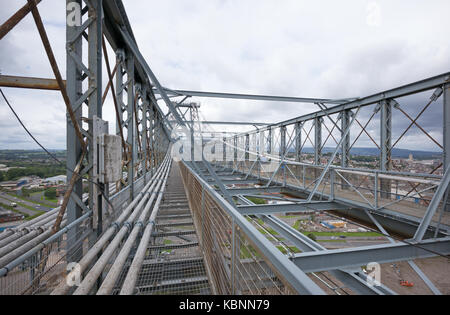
point(290, 208)
point(399, 222)
point(413, 88)
point(361, 256)
point(253, 191)
point(255, 97)
point(353, 279)
point(297, 279)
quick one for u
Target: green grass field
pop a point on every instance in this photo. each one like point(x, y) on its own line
point(32, 201)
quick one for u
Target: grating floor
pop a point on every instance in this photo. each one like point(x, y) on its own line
point(174, 263)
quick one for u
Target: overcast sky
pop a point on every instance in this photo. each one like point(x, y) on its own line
point(324, 49)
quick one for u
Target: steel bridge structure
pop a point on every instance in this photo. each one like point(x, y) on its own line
point(190, 225)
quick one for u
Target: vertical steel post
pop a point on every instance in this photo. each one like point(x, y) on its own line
point(298, 142)
point(151, 118)
point(283, 148)
point(376, 190)
point(120, 88)
point(446, 130)
point(283, 151)
point(74, 90)
point(95, 107)
point(332, 183)
point(345, 157)
point(318, 140)
point(224, 153)
point(269, 140)
point(317, 144)
point(131, 122)
point(247, 148)
point(235, 151)
point(386, 147)
point(345, 121)
point(144, 132)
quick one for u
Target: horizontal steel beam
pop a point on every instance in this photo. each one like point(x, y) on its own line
point(29, 83)
point(350, 278)
point(235, 181)
point(404, 223)
point(174, 233)
point(255, 97)
point(183, 285)
point(295, 277)
point(254, 191)
point(413, 88)
point(360, 256)
point(231, 123)
point(290, 208)
point(173, 246)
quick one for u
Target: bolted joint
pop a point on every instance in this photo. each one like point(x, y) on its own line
point(394, 104)
point(436, 94)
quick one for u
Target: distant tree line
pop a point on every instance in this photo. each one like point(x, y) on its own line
point(362, 158)
point(42, 171)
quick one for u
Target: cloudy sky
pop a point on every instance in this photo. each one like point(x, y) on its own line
point(324, 49)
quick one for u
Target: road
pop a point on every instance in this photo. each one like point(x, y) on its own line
point(7, 199)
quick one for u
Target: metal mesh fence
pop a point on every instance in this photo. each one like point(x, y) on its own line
point(235, 264)
point(45, 269)
point(408, 194)
point(174, 263)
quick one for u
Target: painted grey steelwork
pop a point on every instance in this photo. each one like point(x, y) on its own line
point(230, 123)
point(360, 256)
point(433, 207)
point(446, 124)
point(255, 97)
point(296, 278)
point(74, 75)
point(345, 151)
point(146, 152)
point(413, 88)
point(318, 121)
point(352, 279)
point(385, 143)
point(290, 208)
point(121, 37)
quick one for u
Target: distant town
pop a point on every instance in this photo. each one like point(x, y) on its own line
point(32, 183)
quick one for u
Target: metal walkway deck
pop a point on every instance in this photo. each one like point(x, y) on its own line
point(174, 263)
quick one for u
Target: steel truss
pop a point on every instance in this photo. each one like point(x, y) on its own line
point(146, 133)
point(320, 183)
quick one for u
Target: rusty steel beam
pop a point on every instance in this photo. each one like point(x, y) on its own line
point(54, 65)
point(29, 83)
point(6, 27)
point(113, 93)
point(108, 87)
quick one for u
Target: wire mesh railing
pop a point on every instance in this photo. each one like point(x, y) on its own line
point(236, 264)
point(406, 193)
point(46, 265)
